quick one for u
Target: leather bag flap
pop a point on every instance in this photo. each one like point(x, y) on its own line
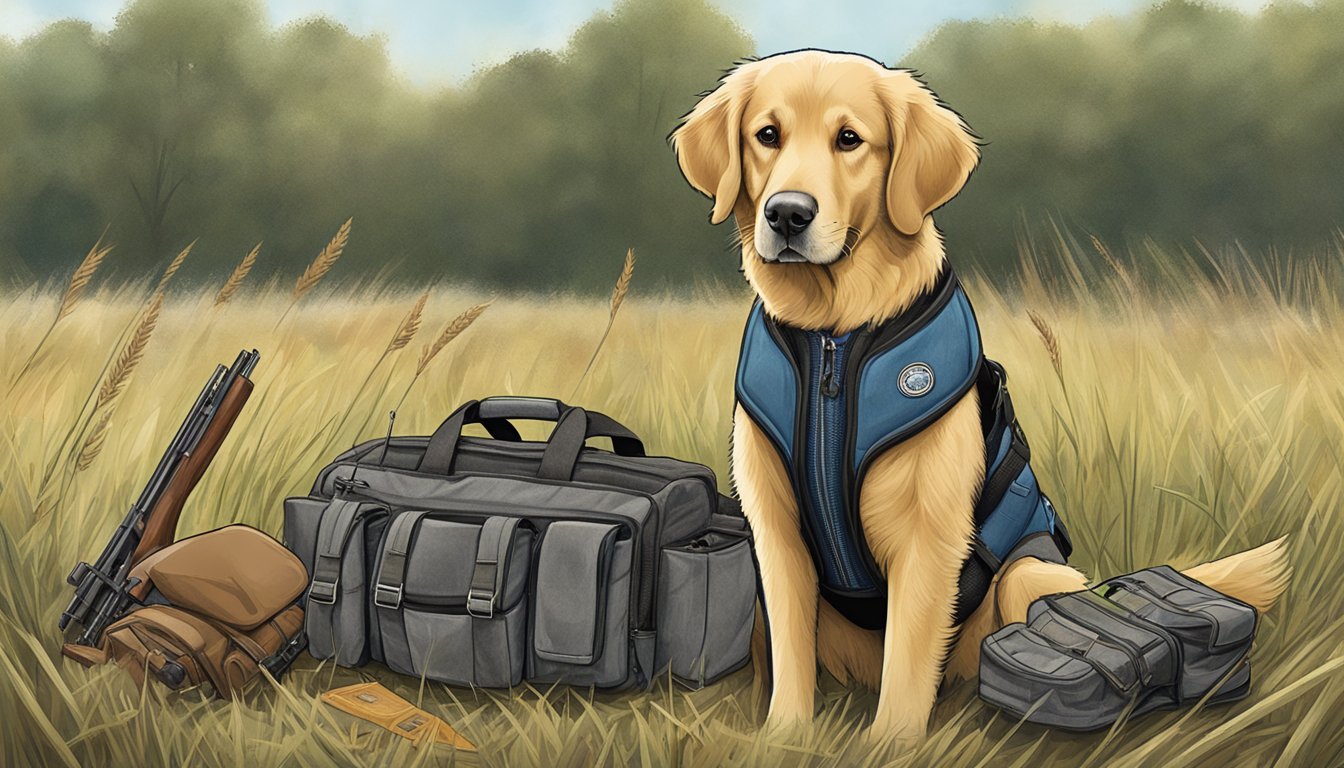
point(236, 574)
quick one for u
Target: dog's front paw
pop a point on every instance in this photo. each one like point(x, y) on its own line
point(901, 737)
point(782, 723)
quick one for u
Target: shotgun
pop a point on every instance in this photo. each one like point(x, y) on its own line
point(105, 590)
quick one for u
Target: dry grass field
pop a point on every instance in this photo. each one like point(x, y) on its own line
point(1179, 407)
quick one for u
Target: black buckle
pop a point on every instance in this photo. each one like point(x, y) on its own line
point(324, 592)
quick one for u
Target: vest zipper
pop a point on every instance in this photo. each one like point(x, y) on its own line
point(828, 387)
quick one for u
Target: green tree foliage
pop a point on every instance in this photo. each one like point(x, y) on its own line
point(1183, 122)
point(194, 118)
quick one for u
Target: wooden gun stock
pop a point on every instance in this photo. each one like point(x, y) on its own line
point(161, 523)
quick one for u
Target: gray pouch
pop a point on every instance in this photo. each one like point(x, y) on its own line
point(449, 597)
point(1214, 630)
point(335, 616)
point(706, 607)
point(581, 606)
point(1083, 658)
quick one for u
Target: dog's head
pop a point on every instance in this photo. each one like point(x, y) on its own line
point(831, 164)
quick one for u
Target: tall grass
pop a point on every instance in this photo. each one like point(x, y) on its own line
point(1180, 406)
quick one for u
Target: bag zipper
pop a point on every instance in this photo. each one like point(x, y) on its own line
point(704, 474)
point(1136, 587)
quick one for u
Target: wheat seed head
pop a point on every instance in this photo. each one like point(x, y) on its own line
point(324, 261)
point(93, 445)
point(173, 266)
point(623, 282)
point(410, 325)
point(451, 331)
point(131, 354)
point(1048, 338)
point(81, 277)
point(236, 278)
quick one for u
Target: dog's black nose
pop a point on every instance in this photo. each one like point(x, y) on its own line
point(789, 213)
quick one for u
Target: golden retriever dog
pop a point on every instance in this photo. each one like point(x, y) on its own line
point(873, 152)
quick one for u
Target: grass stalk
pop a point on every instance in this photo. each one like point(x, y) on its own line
point(618, 293)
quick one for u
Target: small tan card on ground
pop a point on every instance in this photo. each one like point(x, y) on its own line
point(376, 704)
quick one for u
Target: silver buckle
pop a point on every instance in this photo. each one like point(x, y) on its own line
point(481, 604)
point(385, 596)
point(324, 592)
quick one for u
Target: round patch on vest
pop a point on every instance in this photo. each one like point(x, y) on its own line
point(915, 380)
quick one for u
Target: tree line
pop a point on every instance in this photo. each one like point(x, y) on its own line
point(195, 119)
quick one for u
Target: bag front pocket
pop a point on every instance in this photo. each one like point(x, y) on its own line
point(706, 607)
point(581, 605)
point(450, 598)
point(461, 649)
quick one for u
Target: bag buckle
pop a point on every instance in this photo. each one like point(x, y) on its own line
point(481, 603)
point(324, 592)
point(387, 596)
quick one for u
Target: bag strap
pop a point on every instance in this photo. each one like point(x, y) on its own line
point(389, 587)
point(387, 591)
point(573, 429)
point(994, 382)
point(492, 558)
point(248, 646)
point(333, 533)
point(442, 448)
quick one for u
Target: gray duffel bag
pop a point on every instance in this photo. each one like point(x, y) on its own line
point(1154, 639)
point(487, 562)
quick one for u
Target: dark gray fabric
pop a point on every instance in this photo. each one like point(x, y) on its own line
point(1214, 630)
point(589, 615)
point(571, 586)
point(302, 516)
point(491, 566)
point(612, 669)
point(706, 608)
point(1147, 640)
point(440, 567)
point(462, 650)
point(337, 628)
point(389, 590)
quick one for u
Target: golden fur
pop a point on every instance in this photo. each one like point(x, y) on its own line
point(874, 251)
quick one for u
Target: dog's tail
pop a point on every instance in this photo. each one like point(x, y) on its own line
point(1256, 577)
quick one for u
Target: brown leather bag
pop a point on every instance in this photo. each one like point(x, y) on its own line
point(231, 605)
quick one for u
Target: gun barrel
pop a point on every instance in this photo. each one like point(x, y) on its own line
point(102, 589)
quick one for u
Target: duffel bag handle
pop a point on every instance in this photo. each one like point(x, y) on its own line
point(494, 412)
point(574, 428)
point(511, 407)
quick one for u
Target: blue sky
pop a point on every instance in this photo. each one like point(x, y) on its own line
point(442, 42)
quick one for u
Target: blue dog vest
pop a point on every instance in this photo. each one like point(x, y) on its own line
point(831, 404)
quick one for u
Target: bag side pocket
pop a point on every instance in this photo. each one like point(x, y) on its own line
point(706, 608)
point(303, 515)
point(336, 617)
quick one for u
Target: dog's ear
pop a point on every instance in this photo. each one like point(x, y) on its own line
point(933, 152)
point(708, 142)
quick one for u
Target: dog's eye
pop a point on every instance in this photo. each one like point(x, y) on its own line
point(769, 136)
point(847, 140)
